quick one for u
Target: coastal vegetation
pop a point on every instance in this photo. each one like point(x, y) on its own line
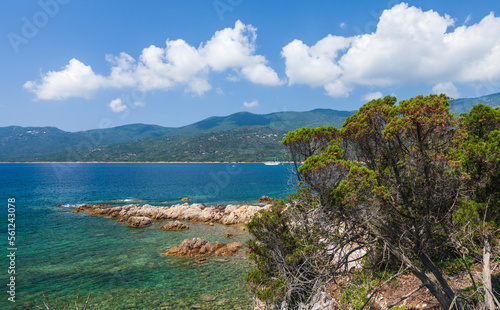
point(402, 189)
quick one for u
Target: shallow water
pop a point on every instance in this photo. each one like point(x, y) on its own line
point(62, 253)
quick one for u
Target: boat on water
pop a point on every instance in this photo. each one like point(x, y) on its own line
point(272, 163)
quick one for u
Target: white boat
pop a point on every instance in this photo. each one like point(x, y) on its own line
point(272, 163)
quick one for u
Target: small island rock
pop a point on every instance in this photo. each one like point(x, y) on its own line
point(265, 199)
point(139, 221)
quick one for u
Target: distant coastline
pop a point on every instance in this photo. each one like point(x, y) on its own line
point(139, 162)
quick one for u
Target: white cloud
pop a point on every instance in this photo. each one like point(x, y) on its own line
point(178, 64)
point(343, 25)
point(371, 96)
point(140, 104)
point(409, 47)
point(117, 105)
point(251, 104)
point(446, 88)
point(75, 80)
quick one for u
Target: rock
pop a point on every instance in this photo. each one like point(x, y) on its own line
point(230, 249)
point(207, 297)
point(228, 235)
point(175, 226)
point(201, 260)
point(59, 205)
point(320, 301)
point(234, 246)
point(120, 220)
point(139, 221)
point(199, 246)
point(79, 208)
point(197, 212)
point(265, 199)
point(165, 201)
point(186, 199)
point(221, 207)
point(210, 224)
point(240, 215)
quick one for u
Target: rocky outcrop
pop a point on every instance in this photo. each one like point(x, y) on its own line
point(199, 246)
point(239, 214)
point(230, 249)
point(230, 214)
point(266, 199)
point(175, 226)
point(320, 301)
point(139, 221)
point(185, 199)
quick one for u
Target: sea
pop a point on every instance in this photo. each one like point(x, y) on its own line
point(57, 257)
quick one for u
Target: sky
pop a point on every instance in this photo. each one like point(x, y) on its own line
point(80, 65)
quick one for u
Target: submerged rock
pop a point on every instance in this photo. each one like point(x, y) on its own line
point(139, 221)
point(199, 246)
point(186, 199)
point(231, 249)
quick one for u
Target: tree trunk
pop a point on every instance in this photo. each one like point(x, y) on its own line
point(488, 299)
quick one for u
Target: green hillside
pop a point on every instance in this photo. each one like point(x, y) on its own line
point(249, 143)
point(463, 105)
point(43, 143)
point(241, 136)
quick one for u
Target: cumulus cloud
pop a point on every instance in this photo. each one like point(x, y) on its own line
point(75, 80)
point(178, 64)
point(371, 96)
point(117, 106)
point(410, 46)
point(446, 88)
point(251, 104)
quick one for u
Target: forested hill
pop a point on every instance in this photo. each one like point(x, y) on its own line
point(26, 144)
point(141, 142)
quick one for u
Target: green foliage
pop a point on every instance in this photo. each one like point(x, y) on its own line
point(409, 179)
point(362, 284)
point(332, 154)
point(306, 134)
point(480, 156)
point(271, 229)
point(453, 266)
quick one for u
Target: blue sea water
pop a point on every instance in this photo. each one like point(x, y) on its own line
point(61, 254)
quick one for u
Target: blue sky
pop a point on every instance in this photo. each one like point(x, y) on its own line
point(80, 65)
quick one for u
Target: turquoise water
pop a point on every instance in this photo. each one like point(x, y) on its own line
point(61, 253)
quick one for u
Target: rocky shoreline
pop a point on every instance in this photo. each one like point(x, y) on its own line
point(137, 216)
point(197, 212)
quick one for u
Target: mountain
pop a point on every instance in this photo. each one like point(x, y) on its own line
point(463, 105)
point(241, 136)
point(36, 143)
point(282, 121)
point(26, 143)
point(247, 143)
